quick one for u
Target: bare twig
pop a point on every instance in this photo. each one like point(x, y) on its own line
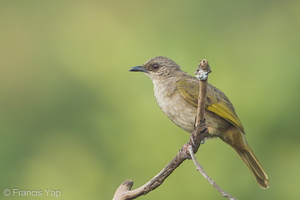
point(200, 129)
point(124, 193)
point(202, 75)
point(205, 175)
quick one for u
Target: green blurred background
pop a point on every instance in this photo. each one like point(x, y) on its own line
point(72, 118)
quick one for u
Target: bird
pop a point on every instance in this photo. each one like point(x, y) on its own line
point(176, 93)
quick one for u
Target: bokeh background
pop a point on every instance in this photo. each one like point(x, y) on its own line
point(73, 119)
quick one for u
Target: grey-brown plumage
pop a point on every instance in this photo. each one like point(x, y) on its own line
point(177, 95)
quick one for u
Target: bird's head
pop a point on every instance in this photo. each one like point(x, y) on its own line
point(158, 67)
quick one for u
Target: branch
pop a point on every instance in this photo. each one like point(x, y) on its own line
point(187, 151)
point(200, 169)
point(124, 193)
point(200, 129)
point(202, 75)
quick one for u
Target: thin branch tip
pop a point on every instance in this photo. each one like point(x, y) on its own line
point(203, 70)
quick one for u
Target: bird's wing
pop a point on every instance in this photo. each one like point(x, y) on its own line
point(216, 101)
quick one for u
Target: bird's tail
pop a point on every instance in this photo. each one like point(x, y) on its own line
point(251, 161)
point(236, 139)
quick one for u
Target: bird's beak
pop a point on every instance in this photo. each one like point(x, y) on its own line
point(138, 69)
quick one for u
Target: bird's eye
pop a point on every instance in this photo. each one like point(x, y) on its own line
point(155, 66)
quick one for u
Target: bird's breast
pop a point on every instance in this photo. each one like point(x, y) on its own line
point(174, 105)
